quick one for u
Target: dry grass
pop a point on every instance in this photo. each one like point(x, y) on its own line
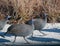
point(28, 9)
point(53, 10)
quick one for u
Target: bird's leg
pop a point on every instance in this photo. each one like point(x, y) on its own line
point(42, 33)
point(14, 39)
point(26, 40)
point(32, 34)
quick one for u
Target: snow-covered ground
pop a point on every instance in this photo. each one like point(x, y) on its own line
point(52, 36)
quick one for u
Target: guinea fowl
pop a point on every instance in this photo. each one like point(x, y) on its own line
point(3, 22)
point(20, 30)
point(40, 22)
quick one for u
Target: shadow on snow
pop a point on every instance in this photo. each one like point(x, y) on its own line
point(52, 30)
point(2, 33)
point(43, 39)
point(4, 40)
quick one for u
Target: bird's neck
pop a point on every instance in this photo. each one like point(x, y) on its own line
point(33, 24)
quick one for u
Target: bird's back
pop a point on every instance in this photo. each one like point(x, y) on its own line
point(20, 29)
point(39, 24)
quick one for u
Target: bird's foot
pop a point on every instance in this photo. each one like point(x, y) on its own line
point(31, 36)
point(27, 43)
point(42, 35)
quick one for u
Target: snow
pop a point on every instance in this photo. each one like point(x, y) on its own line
point(52, 36)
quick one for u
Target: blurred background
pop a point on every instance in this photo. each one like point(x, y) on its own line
point(21, 11)
point(26, 9)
